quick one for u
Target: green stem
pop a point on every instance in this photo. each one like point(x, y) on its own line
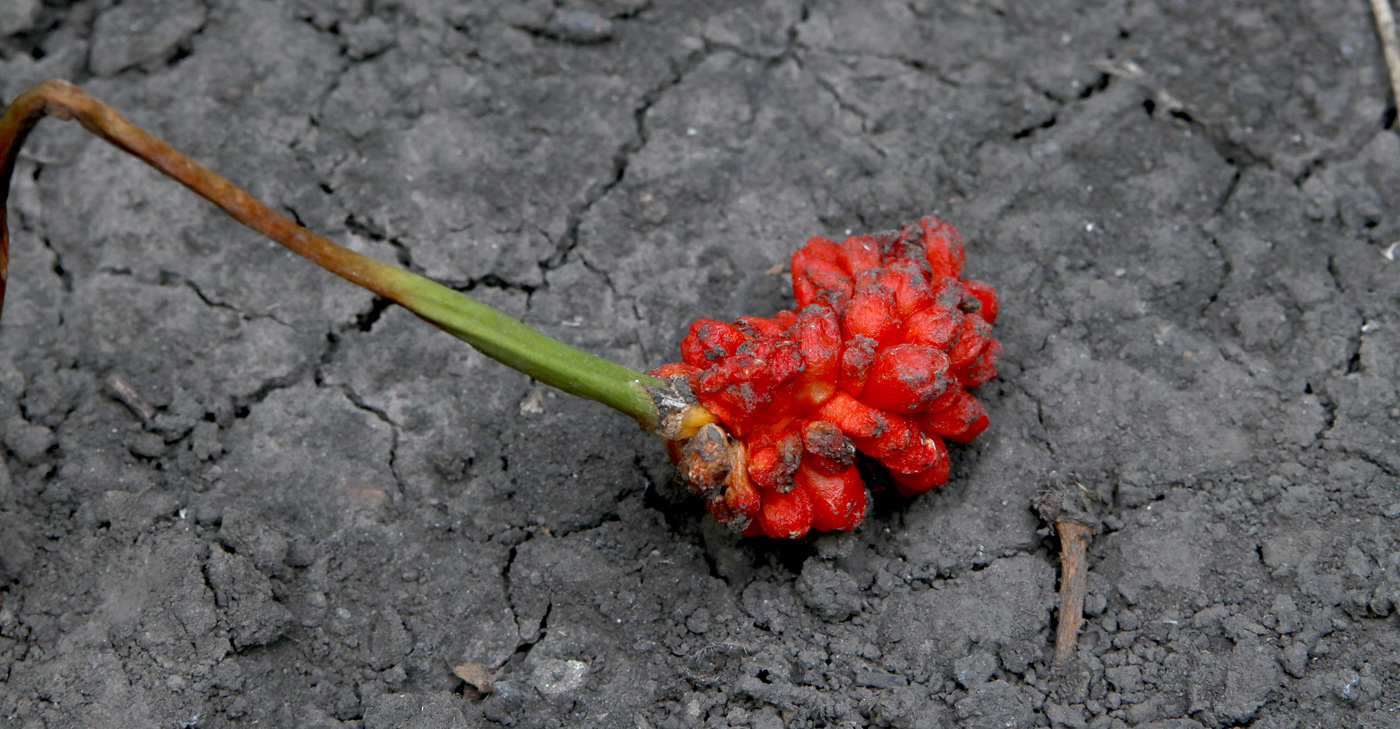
point(516, 345)
point(655, 404)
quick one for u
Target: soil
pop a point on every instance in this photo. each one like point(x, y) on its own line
point(1188, 208)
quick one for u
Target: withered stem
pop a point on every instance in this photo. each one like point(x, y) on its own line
point(498, 336)
point(1074, 584)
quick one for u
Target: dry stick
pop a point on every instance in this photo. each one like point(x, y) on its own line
point(1069, 509)
point(1385, 25)
point(126, 393)
point(655, 403)
point(1074, 584)
point(63, 100)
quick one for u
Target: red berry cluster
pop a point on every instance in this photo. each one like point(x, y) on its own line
point(877, 358)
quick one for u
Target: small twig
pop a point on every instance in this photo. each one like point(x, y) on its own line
point(126, 393)
point(1074, 584)
point(1385, 26)
point(1069, 510)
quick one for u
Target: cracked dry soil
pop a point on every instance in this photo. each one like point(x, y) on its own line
point(1188, 209)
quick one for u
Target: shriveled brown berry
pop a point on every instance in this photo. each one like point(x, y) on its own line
point(704, 461)
point(827, 447)
point(739, 504)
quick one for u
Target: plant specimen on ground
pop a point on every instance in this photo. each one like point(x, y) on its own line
point(763, 417)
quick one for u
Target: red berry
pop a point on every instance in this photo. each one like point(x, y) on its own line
point(754, 327)
point(934, 327)
point(856, 361)
point(911, 290)
point(838, 500)
point(853, 417)
point(819, 342)
point(773, 458)
point(948, 293)
point(917, 483)
point(973, 338)
point(921, 459)
point(974, 430)
point(904, 245)
point(988, 298)
point(818, 277)
point(709, 342)
point(785, 319)
point(872, 314)
point(982, 369)
point(955, 422)
point(786, 515)
point(894, 434)
point(907, 378)
point(745, 383)
point(860, 254)
point(944, 249)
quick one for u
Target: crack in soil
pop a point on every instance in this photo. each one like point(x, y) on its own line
point(524, 646)
point(354, 224)
point(1351, 355)
point(1227, 268)
point(1039, 437)
point(622, 158)
point(349, 392)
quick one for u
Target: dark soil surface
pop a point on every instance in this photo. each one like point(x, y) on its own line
point(1189, 209)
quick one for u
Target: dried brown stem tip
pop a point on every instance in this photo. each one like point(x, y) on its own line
point(1385, 28)
point(63, 100)
point(1069, 509)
